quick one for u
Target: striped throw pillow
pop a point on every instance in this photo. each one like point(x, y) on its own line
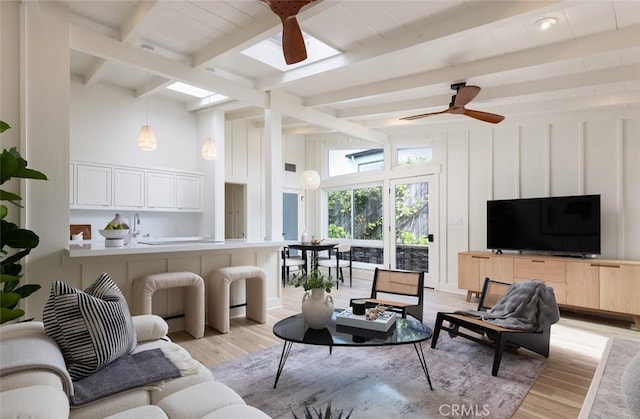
point(92, 327)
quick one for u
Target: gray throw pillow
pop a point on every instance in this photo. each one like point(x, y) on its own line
point(92, 327)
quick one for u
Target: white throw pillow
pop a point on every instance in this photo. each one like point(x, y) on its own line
point(92, 327)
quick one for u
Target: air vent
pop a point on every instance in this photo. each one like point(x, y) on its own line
point(289, 167)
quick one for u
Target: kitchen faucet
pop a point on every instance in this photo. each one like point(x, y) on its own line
point(136, 225)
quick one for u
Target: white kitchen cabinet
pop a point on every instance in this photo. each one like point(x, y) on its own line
point(128, 188)
point(102, 186)
point(188, 192)
point(93, 185)
point(161, 190)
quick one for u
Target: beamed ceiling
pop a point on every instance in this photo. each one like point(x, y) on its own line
point(398, 58)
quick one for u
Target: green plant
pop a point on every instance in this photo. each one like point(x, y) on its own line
point(314, 279)
point(312, 412)
point(22, 241)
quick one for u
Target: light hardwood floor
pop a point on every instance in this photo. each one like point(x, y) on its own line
point(577, 342)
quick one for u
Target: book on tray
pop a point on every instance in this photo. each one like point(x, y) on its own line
point(382, 323)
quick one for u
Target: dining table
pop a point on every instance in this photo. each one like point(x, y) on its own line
point(314, 249)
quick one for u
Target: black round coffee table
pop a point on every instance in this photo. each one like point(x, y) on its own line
point(295, 330)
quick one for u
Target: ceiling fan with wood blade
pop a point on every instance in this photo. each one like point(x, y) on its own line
point(464, 94)
point(292, 39)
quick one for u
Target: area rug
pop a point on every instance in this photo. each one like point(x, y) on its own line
point(604, 399)
point(384, 382)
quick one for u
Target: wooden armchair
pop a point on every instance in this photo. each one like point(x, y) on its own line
point(408, 285)
point(500, 338)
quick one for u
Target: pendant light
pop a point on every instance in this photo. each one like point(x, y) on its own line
point(209, 150)
point(146, 138)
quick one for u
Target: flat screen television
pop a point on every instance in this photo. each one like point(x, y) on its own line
point(567, 225)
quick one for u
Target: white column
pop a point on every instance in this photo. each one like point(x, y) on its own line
point(273, 168)
point(45, 141)
point(218, 132)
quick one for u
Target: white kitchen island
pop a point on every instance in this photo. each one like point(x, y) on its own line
point(201, 256)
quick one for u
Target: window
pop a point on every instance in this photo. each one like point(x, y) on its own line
point(355, 213)
point(412, 155)
point(342, 162)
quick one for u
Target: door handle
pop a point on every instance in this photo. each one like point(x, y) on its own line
point(430, 238)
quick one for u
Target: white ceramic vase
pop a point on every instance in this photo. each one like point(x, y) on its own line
point(317, 308)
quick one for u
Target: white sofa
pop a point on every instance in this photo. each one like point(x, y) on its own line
point(38, 391)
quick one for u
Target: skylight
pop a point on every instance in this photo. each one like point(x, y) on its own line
point(269, 52)
point(188, 89)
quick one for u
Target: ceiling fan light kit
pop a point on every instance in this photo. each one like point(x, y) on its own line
point(464, 94)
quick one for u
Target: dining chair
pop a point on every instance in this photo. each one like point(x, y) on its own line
point(289, 260)
point(401, 291)
point(339, 257)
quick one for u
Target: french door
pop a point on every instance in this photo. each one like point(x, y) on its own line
point(413, 218)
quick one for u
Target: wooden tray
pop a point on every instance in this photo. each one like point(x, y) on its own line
point(77, 228)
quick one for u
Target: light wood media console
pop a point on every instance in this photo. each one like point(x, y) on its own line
point(598, 285)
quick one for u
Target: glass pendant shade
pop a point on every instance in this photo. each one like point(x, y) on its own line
point(147, 139)
point(310, 179)
point(209, 150)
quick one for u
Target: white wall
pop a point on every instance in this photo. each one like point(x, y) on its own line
point(152, 223)
point(106, 120)
point(589, 153)
point(592, 153)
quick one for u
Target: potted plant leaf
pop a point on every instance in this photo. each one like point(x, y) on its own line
point(313, 413)
point(21, 241)
point(317, 308)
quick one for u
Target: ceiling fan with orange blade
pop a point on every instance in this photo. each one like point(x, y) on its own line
point(464, 94)
point(292, 39)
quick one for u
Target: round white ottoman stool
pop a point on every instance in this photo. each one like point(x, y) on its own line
point(218, 284)
point(144, 287)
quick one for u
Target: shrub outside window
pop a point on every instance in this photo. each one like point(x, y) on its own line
point(355, 213)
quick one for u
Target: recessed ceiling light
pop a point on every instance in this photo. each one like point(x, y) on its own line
point(546, 23)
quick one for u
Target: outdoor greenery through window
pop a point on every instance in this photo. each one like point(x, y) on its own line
point(412, 213)
point(355, 213)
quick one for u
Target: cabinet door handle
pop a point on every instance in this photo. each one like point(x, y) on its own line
point(537, 261)
point(598, 265)
point(479, 257)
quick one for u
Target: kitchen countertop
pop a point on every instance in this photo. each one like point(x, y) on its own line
point(88, 248)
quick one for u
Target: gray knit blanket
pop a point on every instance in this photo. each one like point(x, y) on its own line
point(131, 371)
point(529, 306)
